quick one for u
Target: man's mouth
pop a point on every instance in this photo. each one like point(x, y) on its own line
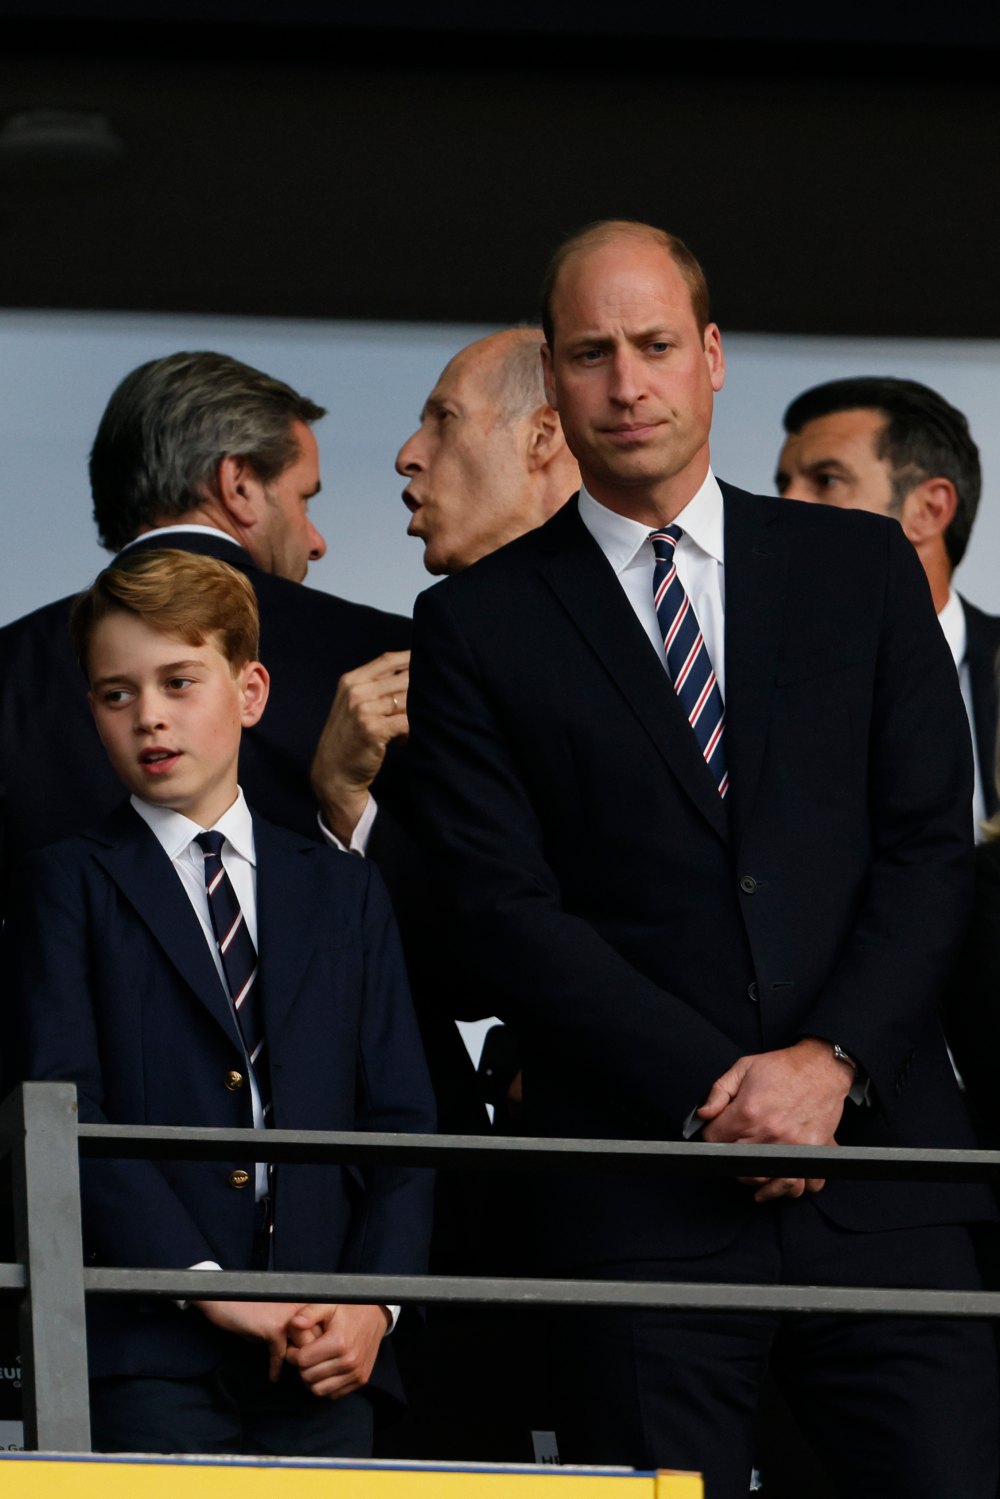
point(412, 504)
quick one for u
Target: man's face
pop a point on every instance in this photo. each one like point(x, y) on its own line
point(284, 540)
point(467, 469)
point(833, 461)
point(170, 714)
point(630, 373)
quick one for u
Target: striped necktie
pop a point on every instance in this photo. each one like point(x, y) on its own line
point(239, 959)
point(686, 654)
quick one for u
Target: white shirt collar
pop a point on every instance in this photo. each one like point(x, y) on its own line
point(159, 531)
point(175, 832)
point(952, 621)
point(620, 537)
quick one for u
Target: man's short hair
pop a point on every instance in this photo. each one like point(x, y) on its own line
point(602, 232)
point(518, 387)
point(180, 593)
point(168, 426)
point(923, 438)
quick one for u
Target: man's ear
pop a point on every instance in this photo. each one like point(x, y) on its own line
point(547, 377)
point(255, 684)
point(238, 489)
point(544, 436)
point(928, 510)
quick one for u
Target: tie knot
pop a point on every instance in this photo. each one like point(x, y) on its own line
point(664, 542)
point(211, 843)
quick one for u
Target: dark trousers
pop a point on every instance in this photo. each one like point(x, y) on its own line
point(234, 1409)
point(895, 1406)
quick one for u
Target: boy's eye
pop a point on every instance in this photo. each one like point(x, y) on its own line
point(177, 684)
point(113, 695)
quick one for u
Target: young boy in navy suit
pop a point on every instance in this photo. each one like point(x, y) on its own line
point(187, 963)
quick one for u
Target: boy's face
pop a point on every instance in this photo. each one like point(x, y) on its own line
point(170, 714)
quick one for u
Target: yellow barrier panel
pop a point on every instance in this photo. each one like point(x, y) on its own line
point(26, 1476)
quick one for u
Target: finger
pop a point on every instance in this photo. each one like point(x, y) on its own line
point(278, 1348)
point(719, 1098)
point(313, 1312)
point(815, 1183)
point(386, 665)
point(780, 1186)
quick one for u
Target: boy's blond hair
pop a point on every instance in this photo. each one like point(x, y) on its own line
point(179, 593)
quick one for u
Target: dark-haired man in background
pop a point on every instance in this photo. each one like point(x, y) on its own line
point(895, 447)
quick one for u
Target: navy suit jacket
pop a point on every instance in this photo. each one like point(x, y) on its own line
point(645, 933)
point(117, 992)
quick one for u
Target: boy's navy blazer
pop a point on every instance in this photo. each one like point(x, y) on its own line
point(118, 992)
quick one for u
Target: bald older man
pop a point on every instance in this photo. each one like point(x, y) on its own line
point(487, 463)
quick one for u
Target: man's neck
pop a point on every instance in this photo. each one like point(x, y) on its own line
point(939, 570)
point(655, 504)
point(207, 515)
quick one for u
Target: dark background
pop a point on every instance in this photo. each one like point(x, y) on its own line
point(836, 174)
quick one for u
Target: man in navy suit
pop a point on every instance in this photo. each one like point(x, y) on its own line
point(285, 1005)
point(727, 912)
point(898, 448)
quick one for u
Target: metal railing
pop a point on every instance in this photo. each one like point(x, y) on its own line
point(40, 1132)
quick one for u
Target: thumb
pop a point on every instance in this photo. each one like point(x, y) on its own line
point(724, 1089)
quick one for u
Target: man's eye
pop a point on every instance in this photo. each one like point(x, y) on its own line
point(659, 346)
point(590, 356)
point(826, 481)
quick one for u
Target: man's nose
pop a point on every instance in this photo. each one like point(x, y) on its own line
point(409, 459)
point(317, 544)
point(625, 386)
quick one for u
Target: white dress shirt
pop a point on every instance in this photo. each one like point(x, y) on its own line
point(953, 623)
point(176, 835)
point(700, 559)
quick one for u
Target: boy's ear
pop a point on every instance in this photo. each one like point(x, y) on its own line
point(255, 685)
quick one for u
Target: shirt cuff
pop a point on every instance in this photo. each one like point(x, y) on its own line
point(393, 1318)
point(362, 832)
point(201, 1265)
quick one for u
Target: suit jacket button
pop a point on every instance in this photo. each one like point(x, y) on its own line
point(753, 992)
point(748, 884)
point(234, 1081)
point(239, 1178)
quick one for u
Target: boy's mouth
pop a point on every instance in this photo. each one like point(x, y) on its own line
point(157, 760)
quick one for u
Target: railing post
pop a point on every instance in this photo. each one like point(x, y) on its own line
point(48, 1242)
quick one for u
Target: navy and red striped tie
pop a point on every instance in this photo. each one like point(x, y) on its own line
point(239, 958)
point(687, 658)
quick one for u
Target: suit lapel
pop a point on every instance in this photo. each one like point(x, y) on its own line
point(133, 858)
point(755, 576)
point(289, 910)
point(585, 584)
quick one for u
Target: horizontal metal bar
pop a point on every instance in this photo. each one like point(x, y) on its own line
point(12, 1278)
point(231, 1285)
point(670, 1157)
